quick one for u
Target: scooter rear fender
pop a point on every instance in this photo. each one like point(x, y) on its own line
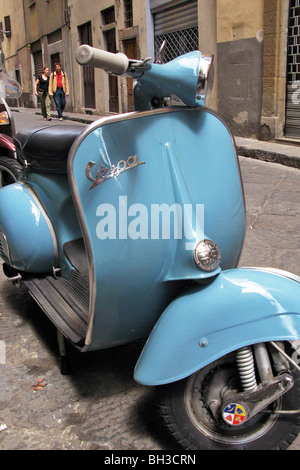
point(7, 142)
point(240, 307)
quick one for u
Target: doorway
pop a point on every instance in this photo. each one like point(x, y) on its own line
point(85, 37)
point(110, 37)
point(130, 49)
point(54, 60)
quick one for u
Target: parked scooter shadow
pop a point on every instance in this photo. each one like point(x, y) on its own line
point(99, 377)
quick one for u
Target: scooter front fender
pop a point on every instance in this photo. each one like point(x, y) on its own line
point(240, 307)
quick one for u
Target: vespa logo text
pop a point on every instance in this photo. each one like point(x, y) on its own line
point(156, 222)
point(105, 173)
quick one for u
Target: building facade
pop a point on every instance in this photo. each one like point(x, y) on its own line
point(256, 47)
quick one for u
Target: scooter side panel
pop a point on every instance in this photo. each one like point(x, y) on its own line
point(134, 265)
point(239, 308)
point(54, 194)
point(25, 232)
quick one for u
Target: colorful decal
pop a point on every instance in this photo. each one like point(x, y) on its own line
point(234, 414)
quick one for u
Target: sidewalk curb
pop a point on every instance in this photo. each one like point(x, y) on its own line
point(82, 120)
point(269, 156)
point(273, 152)
point(253, 149)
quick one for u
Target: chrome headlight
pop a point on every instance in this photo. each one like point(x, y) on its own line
point(205, 77)
point(207, 255)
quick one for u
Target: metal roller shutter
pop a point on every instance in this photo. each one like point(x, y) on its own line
point(38, 63)
point(178, 26)
point(177, 18)
point(292, 123)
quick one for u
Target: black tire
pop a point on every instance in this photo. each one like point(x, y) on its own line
point(200, 430)
point(10, 170)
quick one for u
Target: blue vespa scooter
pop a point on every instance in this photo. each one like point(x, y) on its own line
point(133, 228)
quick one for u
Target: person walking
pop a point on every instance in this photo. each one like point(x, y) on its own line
point(59, 89)
point(41, 89)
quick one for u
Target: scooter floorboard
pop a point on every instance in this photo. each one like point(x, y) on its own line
point(65, 301)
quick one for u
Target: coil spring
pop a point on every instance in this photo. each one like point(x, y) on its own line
point(245, 364)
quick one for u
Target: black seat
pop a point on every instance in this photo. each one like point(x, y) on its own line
point(46, 149)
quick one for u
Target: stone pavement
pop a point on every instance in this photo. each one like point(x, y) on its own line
point(98, 405)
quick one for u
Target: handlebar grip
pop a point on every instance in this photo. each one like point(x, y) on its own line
point(116, 64)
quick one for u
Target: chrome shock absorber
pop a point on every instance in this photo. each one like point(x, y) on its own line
point(245, 364)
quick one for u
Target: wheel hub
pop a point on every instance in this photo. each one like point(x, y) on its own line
point(235, 414)
point(245, 405)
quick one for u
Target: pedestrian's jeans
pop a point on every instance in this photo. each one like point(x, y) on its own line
point(60, 101)
point(45, 104)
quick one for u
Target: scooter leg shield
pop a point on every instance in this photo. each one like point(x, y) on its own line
point(26, 241)
point(240, 307)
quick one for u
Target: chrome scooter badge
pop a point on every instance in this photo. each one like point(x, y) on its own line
point(105, 173)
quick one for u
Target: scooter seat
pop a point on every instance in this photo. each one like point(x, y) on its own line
point(46, 149)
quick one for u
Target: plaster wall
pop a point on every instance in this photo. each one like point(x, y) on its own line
point(240, 64)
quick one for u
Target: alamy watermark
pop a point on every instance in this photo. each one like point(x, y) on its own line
point(157, 221)
point(296, 93)
point(2, 352)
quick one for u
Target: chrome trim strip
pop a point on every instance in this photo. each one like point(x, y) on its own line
point(278, 272)
point(99, 123)
point(5, 247)
point(47, 219)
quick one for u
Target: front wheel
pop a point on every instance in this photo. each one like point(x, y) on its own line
point(187, 407)
point(10, 170)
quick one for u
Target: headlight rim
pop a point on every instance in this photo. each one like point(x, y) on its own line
point(214, 255)
point(205, 76)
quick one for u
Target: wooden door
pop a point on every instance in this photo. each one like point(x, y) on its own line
point(130, 50)
point(85, 33)
point(112, 80)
